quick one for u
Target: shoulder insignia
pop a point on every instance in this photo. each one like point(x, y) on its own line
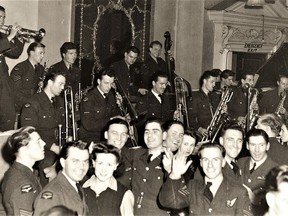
point(24, 212)
point(230, 203)
point(85, 99)
point(28, 119)
point(16, 68)
point(15, 78)
point(184, 190)
point(27, 105)
point(47, 195)
point(26, 188)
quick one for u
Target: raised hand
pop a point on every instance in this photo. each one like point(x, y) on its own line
point(179, 165)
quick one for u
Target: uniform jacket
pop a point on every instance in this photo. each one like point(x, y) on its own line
point(25, 81)
point(73, 77)
point(237, 106)
point(200, 110)
point(7, 103)
point(277, 151)
point(20, 188)
point(230, 198)
point(60, 192)
point(95, 114)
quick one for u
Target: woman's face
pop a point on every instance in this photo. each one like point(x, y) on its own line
point(187, 146)
point(284, 133)
point(105, 165)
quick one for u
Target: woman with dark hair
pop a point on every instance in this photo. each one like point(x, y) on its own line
point(104, 194)
point(20, 186)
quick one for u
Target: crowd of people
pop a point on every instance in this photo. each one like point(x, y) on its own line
point(228, 155)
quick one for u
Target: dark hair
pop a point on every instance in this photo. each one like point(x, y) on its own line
point(244, 75)
point(106, 71)
point(116, 121)
point(107, 149)
point(2, 9)
point(232, 125)
point(52, 75)
point(155, 43)
point(33, 46)
point(133, 49)
point(191, 133)
point(282, 76)
point(59, 210)
point(206, 75)
point(156, 120)
point(271, 120)
point(158, 74)
point(275, 177)
point(216, 71)
point(226, 73)
point(167, 125)
point(257, 132)
point(67, 46)
point(212, 145)
point(20, 138)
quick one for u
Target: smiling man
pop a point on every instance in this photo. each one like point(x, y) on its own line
point(175, 132)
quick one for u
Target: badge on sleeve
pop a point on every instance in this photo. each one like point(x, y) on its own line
point(26, 188)
point(27, 105)
point(47, 195)
point(24, 212)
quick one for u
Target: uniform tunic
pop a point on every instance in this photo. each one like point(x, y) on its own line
point(20, 188)
point(230, 198)
point(25, 81)
point(278, 152)
point(237, 106)
point(60, 192)
point(7, 103)
point(95, 114)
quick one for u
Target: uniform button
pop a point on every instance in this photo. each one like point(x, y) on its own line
point(153, 114)
point(158, 177)
point(249, 180)
point(210, 210)
point(142, 193)
point(147, 168)
point(134, 168)
point(240, 102)
point(144, 180)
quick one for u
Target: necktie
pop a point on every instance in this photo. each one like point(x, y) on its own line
point(106, 97)
point(149, 158)
point(80, 192)
point(207, 193)
point(161, 97)
point(235, 167)
point(70, 69)
point(253, 168)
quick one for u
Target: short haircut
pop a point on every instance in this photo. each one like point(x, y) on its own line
point(52, 75)
point(232, 125)
point(106, 149)
point(216, 71)
point(2, 9)
point(244, 75)
point(167, 125)
point(273, 121)
point(20, 138)
point(116, 121)
point(155, 43)
point(33, 46)
point(158, 74)
point(106, 71)
point(257, 132)
point(191, 133)
point(133, 49)
point(67, 46)
point(275, 177)
point(282, 76)
point(226, 73)
point(59, 210)
point(212, 145)
point(206, 75)
point(154, 120)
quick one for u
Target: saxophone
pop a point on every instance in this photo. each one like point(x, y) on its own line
point(41, 79)
point(253, 113)
point(281, 103)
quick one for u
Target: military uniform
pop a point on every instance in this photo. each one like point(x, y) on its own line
point(73, 75)
point(230, 198)
point(278, 152)
point(237, 106)
point(25, 81)
point(20, 188)
point(60, 192)
point(40, 113)
point(95, 114)
point(7, 103)
point(147, 179)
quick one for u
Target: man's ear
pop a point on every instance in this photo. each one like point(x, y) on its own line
point(98, 81)
point(62, 162)
point(106, 135)
point(221, 141)
point(164, 135)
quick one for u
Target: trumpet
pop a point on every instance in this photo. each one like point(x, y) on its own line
point(25, 33)
point(181, 92)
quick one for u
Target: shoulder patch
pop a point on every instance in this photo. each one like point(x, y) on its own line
point(27, 105)
point(15, 78)
point(24, 212)
point(85, 99)
point(26, 188)
point(47, 195)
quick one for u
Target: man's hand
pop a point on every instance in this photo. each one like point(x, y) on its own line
point(241, 120)
point(55, 148)
point(13, 31)
point(179, 165)
point(142, 91)
point(167, 159)
point(202, 131)
point(50, 172)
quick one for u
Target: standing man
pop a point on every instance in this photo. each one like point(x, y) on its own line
point(213, 195)
point(125, 70)
point(72, 73)
point(27, 74)
point(98, 107)
point(44, 111)
point(20, 186)
point(200, 110)
point(65, 188)
point(11, 47)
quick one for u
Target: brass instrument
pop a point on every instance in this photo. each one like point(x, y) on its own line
point(181, 92)
point(26, 33)
point(41, 79)
point(253, 113)
point(218, 116)
point(281, 103)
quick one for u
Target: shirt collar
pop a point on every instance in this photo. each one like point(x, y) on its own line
point(92, 182)
point(101, 92)
point(258, 163)
point(156, 95)
point(72, 182)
